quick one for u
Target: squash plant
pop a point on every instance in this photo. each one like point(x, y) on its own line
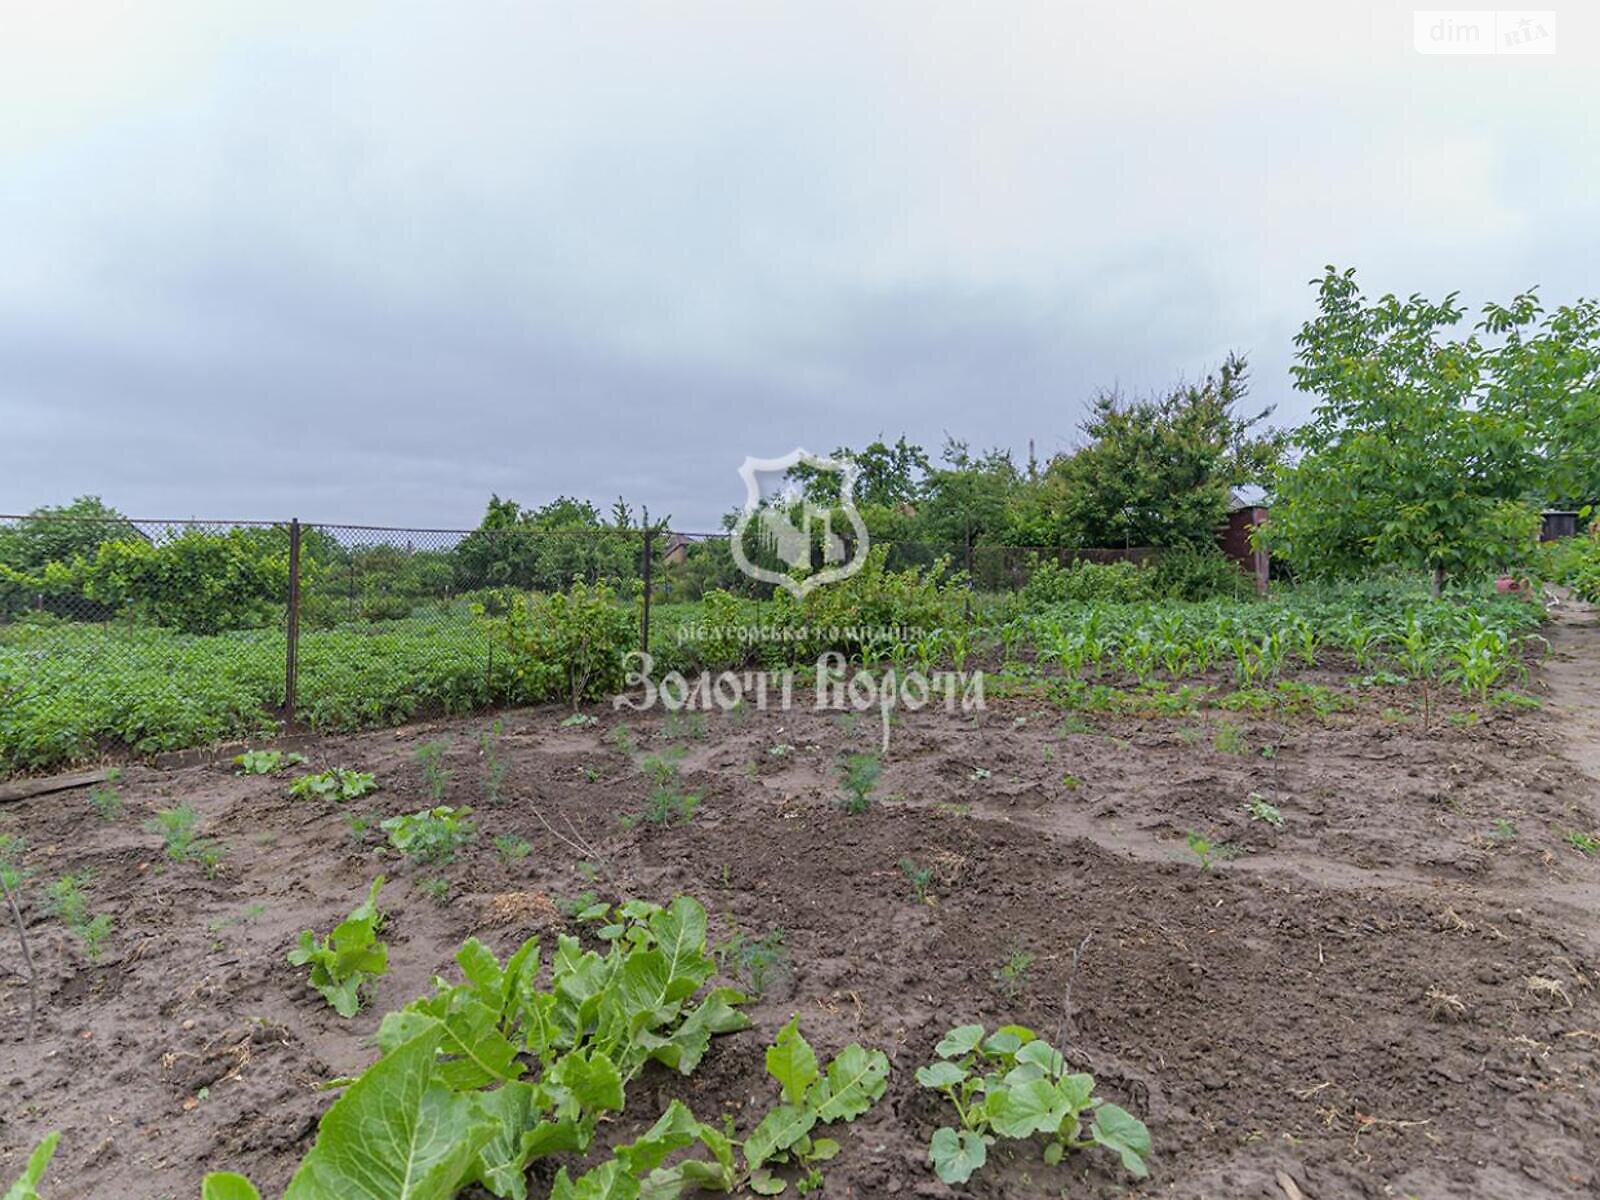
point(1013, 1084)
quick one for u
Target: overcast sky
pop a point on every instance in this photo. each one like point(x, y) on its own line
point(372, 262)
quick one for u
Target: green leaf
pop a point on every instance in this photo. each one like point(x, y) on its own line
point(27, 1186)
point(396, 1134)
point(940, 1075)
point(1030, 1108)
point(823, 1149)
point(1117, 1129)
point(1043, 1056)
point(1003, 1042)
point(779, 1129)
point(956, 1156)
point(609, 1181)
point(502, 1163)
point(961, 1040)
point(686, 1046)
point(592, 1079)
point(765, 1183)
point(675, 1129)
point(792, 1062)
point(856, 1078)
point(225, 1185)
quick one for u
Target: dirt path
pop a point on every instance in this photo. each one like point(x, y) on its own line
point(1573, 678)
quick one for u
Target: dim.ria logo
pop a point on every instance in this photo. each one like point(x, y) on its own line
point(817, 543)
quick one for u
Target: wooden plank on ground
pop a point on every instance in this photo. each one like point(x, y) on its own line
point(22, 789)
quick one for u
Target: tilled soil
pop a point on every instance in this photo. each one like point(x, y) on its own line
point(1397, 993)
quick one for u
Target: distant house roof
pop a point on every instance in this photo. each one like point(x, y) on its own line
point(1247, 495)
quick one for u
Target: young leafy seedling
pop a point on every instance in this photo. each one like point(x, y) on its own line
point(859, 773)
point(68, 899)
point(513, 849)
point(1260, 810)
point(1012, 1084)
point(495, 767)
point(344, 964)
point(920, 879)
point(432, 835)
point(266, 762)
point(754, 961)
point(1013, 976)
point(107, 799)
point(339, 784)
point(435, 775)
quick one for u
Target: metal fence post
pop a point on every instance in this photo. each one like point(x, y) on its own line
point(644, 614)
point(291, 672)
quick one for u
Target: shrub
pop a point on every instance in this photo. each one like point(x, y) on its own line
point(569, 645)
point(1086, 582)
point(196, 582)
point(1186, 574)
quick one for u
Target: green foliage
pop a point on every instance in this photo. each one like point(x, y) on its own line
point(1197, 573)
point(194, 582)
point(26, 1186)
point(842, 615)
point(179, 829)
point(1584, 843)
point(338, 783)
point(107, 798)
point(1012, 1084)
point(1015, 973)
point(1260, 810)
point(438, 889)
point(920, 879)
point(266, 762)
point(756, 962)
point(344, 963)
point(1153, 472)
point(569, 645)
point(435, 775)
point(667, 803)
point(1575, 562)
point(545, 549)
point(431, 835)
point(512, 849)
point(1083, 582)
point(495, 766)
point(858, 774)
point(1426, 451)
point(68, 899)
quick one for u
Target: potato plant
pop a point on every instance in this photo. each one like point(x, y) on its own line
point(1013, 1084)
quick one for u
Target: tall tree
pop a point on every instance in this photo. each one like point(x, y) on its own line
point(1152, 472)
point(1425, 450)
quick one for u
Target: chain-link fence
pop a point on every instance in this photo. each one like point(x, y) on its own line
point(160, 634)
